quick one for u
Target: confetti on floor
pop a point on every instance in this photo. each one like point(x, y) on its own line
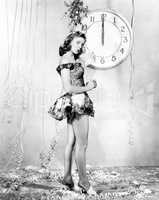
point(113, 183)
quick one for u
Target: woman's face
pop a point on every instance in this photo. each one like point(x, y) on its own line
point(76, 44)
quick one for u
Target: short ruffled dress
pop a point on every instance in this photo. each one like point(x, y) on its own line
point(72, 105)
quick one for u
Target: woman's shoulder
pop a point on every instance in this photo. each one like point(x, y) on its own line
point(65, 63)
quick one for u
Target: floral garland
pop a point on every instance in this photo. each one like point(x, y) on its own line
point(75, 12)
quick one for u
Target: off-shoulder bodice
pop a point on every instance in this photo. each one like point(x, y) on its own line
point(73, 105)
point(76, 72)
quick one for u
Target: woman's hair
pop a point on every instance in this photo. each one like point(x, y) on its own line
point(67, 43)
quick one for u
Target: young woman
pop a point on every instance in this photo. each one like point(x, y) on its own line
point(71, 71)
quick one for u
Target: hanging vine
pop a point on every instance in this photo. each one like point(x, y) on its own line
point(132, 119)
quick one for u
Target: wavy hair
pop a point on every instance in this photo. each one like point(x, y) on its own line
point(67, 43)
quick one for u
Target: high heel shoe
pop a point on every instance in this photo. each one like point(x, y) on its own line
point(89, 191)
point(69, 184)
point(83, 188)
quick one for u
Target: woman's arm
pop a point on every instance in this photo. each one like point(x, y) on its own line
point(65, 75)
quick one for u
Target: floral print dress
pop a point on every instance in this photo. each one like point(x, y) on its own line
point(72, 105)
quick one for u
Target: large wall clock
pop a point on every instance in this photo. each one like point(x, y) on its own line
point(109, 38)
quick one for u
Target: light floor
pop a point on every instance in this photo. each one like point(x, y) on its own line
point(117, 183)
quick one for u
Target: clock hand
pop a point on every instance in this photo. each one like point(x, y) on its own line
point(102, 39)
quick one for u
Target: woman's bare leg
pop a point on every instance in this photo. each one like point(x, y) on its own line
point(81, 128)
point(68, 153)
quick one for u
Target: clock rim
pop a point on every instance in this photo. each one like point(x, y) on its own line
point(130, 31)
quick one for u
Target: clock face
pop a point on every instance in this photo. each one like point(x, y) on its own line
point(109, 38)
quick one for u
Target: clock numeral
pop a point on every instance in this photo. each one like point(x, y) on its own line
point(122, 50)
point(93, 56)
point(92, 19)
point(122, 28)
point(102, 60)
point(103, 16)
point(113, 58)
point(125, 40)
point(114, 20)
point(84, 27)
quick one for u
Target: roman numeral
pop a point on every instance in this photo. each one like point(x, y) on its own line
point(92, 19)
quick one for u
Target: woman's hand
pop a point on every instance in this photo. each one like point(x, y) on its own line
point(91, 84)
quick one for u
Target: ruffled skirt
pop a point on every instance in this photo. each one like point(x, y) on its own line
point(71, 105)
